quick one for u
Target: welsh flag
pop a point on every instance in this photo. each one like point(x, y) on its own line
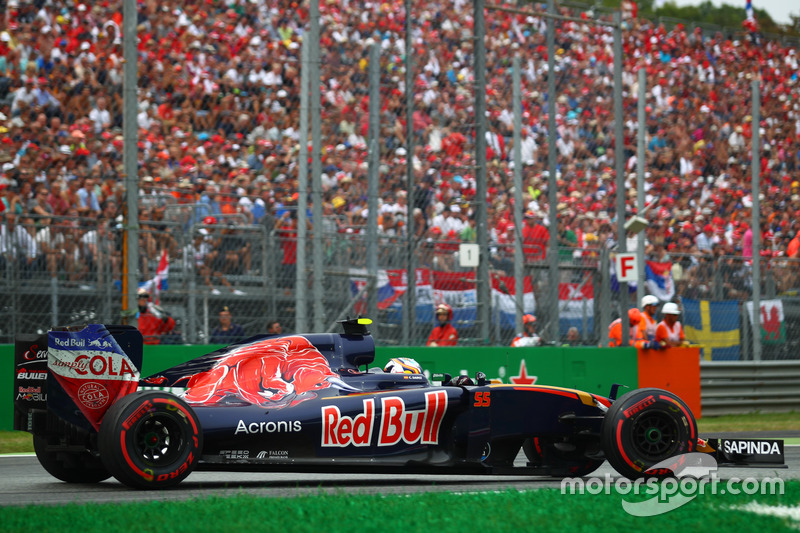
point(773, 329)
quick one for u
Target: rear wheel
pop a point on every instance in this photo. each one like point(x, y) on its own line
point(564, 456)
point(150, 440)
point(71, 467)
point(646, 427)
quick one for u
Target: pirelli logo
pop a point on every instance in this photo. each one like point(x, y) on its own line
point(632, 410)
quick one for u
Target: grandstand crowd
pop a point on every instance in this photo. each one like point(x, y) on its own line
point(219, 107)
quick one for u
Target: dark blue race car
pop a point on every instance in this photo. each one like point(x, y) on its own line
point(312, 403)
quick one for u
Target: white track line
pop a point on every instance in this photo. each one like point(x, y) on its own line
point(780, 511)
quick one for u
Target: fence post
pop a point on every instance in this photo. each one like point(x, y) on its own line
point(756, 220)
point(747, 346)
point(604, 305)
point(191, 325)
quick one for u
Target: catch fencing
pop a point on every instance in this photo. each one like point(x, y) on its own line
point(68, 271)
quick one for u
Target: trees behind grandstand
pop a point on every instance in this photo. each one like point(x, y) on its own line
point(726, 15)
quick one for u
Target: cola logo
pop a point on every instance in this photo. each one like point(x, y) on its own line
point(93, 395)
point(98, 365)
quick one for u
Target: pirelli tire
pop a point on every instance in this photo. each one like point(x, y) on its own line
point(150, 440)
point(645, 427)
point(69, 466)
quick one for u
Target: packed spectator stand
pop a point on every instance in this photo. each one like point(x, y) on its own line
point(219, 128)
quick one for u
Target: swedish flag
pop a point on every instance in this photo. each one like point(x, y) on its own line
point(715, 326)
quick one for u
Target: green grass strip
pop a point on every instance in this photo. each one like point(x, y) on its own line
point(510, 510)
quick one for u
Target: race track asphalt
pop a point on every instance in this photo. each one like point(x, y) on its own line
point(25, 482)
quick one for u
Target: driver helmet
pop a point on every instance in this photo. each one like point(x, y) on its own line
point(528, 319)
point(402, 365)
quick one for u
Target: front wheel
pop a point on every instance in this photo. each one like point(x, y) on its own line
point(645, 427)
point(69, 466)
point(150, 440)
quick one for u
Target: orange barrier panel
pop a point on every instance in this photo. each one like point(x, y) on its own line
point(674, 369)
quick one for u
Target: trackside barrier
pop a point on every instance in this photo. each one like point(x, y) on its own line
point(590, 369)
point(747, 386)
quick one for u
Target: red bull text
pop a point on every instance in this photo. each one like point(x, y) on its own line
point(397, 423)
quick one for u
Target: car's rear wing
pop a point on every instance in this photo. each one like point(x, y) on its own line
point(75, 374)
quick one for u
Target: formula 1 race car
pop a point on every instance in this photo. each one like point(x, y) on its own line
point(312, 403)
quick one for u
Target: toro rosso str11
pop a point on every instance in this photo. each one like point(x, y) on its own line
point(311, 403)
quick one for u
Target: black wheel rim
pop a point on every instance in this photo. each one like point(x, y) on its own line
point(159, 439)
point(655, 434)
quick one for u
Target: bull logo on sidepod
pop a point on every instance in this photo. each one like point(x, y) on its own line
point(272, 373)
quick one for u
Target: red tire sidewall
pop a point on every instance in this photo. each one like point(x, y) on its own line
point(619, 440)
point(122, 441)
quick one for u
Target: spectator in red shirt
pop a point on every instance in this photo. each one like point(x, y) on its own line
point(153, 320)
point(287, 237)
point(56, 199)
point(534, 237)
point(793, 249)
point(443, 334)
